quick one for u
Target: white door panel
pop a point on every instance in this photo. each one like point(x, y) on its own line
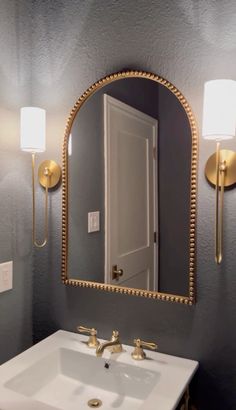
point(130, 137)
point(132, 206)
point(138, 281)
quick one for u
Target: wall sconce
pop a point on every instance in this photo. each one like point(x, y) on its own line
point(219, 120)
point(32, 136)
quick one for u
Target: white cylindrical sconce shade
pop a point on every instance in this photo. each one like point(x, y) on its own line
point(32, 129)
point(219, 110)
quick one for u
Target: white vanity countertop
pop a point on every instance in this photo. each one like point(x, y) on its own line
point(174, 373)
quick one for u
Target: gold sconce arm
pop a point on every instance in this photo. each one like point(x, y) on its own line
point(219, 206)
point(49, 175)
point(220, 171)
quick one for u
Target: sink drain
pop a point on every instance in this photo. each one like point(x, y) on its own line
point(95, 403)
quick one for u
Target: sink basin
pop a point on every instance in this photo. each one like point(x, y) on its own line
point(61, 372)
point(68, 379)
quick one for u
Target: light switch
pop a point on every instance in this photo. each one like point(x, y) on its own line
point(93, 221)
point(6, 276)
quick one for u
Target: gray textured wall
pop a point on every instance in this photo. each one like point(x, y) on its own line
point(15, 219)
point(15, 244)
point(73, 44)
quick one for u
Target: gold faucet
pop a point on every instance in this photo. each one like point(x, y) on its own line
point(138, 353)
point(114, 345)
point(92, 341)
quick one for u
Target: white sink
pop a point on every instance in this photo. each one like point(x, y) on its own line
point(61, 372)
point(67, 379)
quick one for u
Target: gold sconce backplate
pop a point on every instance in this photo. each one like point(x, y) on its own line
point(49, 173)
point(229, 158)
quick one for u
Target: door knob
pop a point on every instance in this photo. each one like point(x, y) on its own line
point(116, 273)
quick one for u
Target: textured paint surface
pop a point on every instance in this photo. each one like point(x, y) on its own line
point(15, 245)
point(72, 44)
point(15, 219)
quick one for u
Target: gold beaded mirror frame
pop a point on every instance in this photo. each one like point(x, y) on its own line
point(187, 300)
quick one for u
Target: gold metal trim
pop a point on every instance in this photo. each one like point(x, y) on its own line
point(113, 345)
point(220, 171)
point(49, 173)
point(95, 403)
point(229, 158)
point(92, 342)
point(187, 300)
point(45, 240)
point(116, 273)
point(138, 353)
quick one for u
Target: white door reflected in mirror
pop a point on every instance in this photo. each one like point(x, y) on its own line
point(130, 195)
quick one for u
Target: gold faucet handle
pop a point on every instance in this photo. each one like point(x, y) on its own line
point(138, 353)
point(90, 331)
point(92, 341)
point(141, 343)
point(115, 335)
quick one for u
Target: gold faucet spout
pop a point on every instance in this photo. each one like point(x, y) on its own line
point(114, 345)
point(102, 347)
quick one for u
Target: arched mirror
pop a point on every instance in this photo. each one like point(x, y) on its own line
point(129, 189)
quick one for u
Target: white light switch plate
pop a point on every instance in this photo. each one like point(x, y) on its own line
point(93, 221)
point(6, 276)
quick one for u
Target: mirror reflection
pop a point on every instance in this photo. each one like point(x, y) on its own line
point(129, 184)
